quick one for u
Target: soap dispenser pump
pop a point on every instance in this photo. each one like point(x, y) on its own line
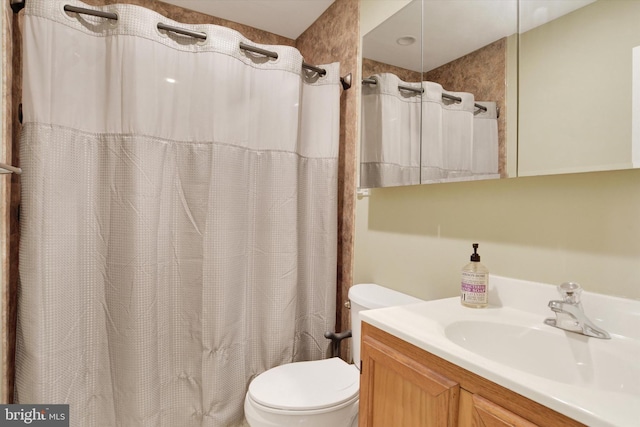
point(474, 288)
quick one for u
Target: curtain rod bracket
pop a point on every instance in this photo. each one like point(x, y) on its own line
point(346, 81)
point(6, 169)
point(363, 192)
point(17, 5)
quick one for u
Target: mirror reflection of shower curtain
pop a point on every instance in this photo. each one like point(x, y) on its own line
point(390, 152)
point(457, 135)
point(485, 153)
point(433, 168)
point(179, 217)
point(459, 141)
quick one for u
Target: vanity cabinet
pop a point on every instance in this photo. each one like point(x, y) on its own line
point(403, 385)
point(401, 391)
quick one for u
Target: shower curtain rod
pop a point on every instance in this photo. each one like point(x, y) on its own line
point(17, 5)
point(371, 81)
point(346, 80)
point(274, 55)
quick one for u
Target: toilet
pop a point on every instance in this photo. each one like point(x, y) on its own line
point(318, 393)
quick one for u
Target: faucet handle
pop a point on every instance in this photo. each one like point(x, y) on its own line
point(570, 292)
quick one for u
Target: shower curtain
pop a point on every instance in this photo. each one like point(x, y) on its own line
point(178, 217)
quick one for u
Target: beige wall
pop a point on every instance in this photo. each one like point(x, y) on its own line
point(579, 227)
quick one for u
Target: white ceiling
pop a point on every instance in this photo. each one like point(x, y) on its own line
point(454, 28)
point(288, 18)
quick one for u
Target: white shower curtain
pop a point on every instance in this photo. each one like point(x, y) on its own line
point(390, 153)
point(178, 217)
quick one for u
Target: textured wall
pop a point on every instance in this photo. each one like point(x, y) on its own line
point(483, 73)
point(5, 186)
point(335, 37)
point(12, 93)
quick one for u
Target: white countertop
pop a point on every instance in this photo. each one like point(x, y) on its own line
point(604, 392)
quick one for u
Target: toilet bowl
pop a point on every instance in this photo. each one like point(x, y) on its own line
point(318, 393)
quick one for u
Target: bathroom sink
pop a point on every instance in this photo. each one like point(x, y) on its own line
point(553, 354)
point(594, 381)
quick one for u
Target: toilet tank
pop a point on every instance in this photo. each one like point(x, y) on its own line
point(367, 296)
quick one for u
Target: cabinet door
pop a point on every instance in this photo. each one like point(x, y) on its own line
point(397, 390)
point(476, 411)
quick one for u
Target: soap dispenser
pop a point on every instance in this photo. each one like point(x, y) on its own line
point(474, 288)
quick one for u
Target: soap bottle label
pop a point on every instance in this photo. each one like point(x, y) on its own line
point(474, 287)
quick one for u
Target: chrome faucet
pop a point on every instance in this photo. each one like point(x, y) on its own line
point(569, 313)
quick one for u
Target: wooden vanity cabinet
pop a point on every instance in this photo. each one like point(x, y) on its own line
point(402, 385)
point(400, 391)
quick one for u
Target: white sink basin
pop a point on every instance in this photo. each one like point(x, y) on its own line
point(553, 354)
point(594, 381)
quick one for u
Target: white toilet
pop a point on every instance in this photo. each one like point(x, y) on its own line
point(318, 393)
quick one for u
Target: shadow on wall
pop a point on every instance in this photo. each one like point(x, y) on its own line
point(591, 212)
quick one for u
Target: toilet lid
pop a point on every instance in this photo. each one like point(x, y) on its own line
point(306, 385)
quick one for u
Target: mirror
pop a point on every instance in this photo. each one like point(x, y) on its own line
point(579, 86)
point(569, 59)
point(437, 110)
point(391, 115)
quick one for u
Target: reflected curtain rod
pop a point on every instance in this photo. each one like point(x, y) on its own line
point(18, 5)
point(420, 90)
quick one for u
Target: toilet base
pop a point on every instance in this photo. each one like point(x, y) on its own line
point(345, 415)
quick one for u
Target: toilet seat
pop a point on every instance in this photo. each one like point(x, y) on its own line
point(306, 386)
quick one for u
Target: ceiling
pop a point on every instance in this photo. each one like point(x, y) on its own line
point(454, 28)
point(288, 18)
